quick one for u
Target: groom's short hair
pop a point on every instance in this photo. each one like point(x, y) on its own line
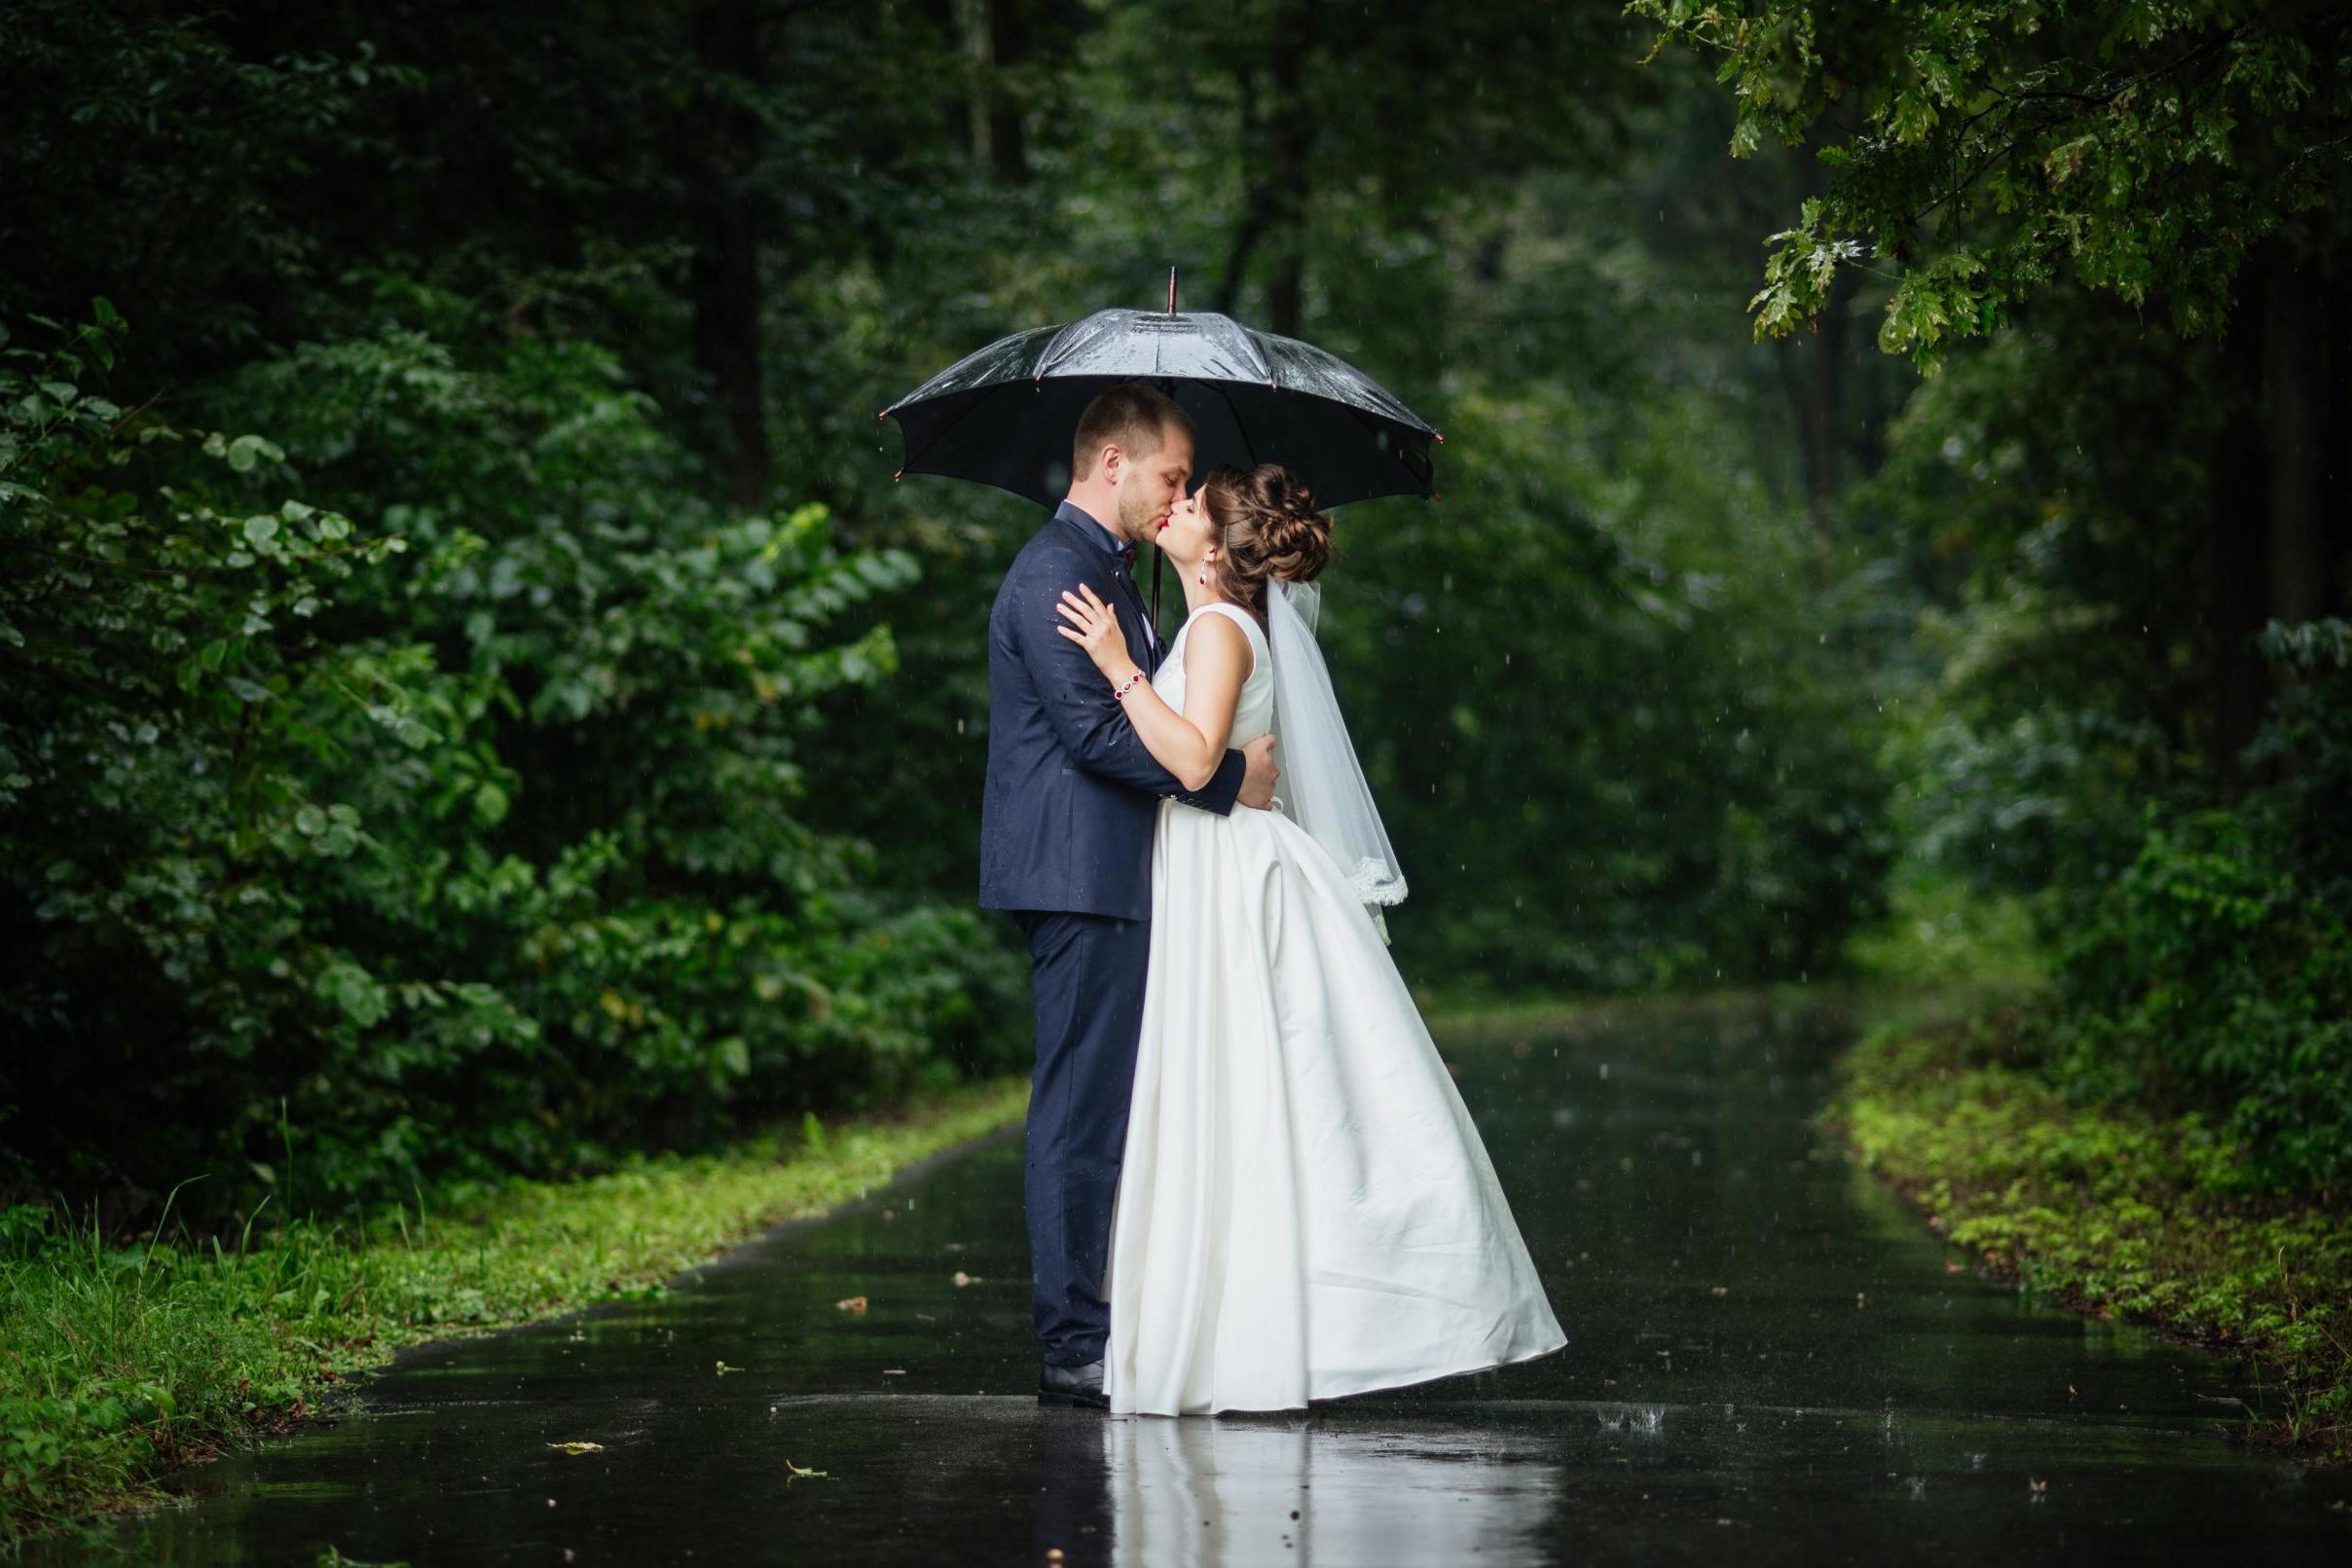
point(1132, 416)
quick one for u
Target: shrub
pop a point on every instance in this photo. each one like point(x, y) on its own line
point(2217, 972)
point(438, 822)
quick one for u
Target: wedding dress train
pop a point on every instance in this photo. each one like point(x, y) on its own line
point(1305, 1209)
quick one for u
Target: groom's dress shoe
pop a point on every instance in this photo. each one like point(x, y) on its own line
point(1073, 1385)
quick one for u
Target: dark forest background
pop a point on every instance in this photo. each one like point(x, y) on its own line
point(474, 700)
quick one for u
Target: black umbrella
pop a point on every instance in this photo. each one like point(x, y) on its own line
point(1006, 415)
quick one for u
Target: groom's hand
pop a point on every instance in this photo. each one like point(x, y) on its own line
point(1258, 773)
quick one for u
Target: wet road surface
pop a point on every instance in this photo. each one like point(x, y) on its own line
point(1767, 1356)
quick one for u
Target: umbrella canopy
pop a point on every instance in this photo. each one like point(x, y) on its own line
point(1005, 416)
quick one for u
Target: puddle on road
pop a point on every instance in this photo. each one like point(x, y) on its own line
point(1766, 1356)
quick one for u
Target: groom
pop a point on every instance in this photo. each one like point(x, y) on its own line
point(1066, 824)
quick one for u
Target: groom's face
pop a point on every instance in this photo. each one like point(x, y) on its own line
point(1149, 486)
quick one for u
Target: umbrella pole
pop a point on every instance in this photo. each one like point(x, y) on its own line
point(1167, 386)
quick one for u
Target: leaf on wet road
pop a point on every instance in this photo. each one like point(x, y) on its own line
point(579, 1447)
point(963, 1279)
point(851, 1304)
point(793, 1473)
point(724, 1368)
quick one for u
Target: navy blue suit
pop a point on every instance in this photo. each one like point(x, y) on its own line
point(1066, 823)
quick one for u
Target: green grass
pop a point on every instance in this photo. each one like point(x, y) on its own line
point(121, 1361)
point(2111, 1211)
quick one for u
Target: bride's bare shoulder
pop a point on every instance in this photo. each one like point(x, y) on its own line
point(1213, 636)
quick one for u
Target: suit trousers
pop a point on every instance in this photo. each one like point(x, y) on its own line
point(1087, 974)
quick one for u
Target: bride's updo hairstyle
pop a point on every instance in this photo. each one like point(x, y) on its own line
point(1267, 527)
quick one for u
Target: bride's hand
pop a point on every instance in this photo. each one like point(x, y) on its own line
point(1094, 626)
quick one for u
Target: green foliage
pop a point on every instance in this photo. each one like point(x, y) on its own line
point(2218, 971)
point(476, 856)
point(2112, 1208)
point(2306, 742)
point(1982, 150)
point(1714, 816)
point(1940, 928)
point(2067, 673)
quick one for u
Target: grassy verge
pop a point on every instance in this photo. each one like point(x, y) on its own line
point(2113, 1211)
point(120, 1363)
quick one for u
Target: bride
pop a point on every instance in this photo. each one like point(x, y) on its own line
point(1304, 1208)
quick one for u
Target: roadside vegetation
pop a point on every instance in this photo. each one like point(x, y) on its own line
point(121, 1359)
point(2111, 1209)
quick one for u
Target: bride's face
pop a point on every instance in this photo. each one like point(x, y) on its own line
point(1185, 538)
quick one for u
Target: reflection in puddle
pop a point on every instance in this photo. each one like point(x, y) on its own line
point(1229, 1493)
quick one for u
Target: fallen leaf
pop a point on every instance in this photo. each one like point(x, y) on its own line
point(963, 1279)
point(579, 1447)
point(1717, 1290)
point(794, 1472)
point(1953, 1265)
point(927, 1317)
point(724, 1368)
point(851, 1304)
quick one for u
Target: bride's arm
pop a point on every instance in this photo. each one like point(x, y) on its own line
point(1216, 661)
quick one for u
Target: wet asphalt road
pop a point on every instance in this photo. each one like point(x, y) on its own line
point(1768, 1357)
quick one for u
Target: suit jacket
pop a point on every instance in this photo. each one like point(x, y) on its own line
point(1067, 814)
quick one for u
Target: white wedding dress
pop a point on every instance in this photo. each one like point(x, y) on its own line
point(1304, 1208)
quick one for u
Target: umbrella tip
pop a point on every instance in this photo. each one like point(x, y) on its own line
point(884, 414)
point(1441, 436)
point(1171, 291)
point(900, 474)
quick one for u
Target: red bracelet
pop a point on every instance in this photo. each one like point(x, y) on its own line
point(1127, 686)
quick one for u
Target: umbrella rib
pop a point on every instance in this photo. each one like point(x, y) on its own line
point(1248, 447)
point(1044, 365)
point(1249, 343)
